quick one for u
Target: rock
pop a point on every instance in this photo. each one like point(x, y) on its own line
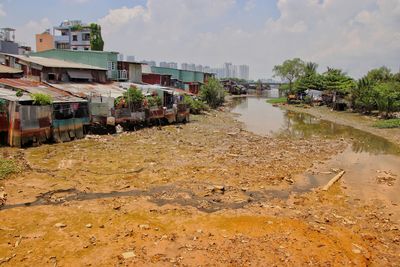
point(60, 225)
point(219, 187)
point(88, 225)
point(18, 241)
point(128, 255)
point(144, 226)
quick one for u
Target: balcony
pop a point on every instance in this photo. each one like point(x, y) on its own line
point(61, 39)
point(122, 75)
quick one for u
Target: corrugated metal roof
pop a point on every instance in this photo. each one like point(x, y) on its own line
point(33, 87)
point(10, 95)
point(80, 74)
point(91, 89)
point(5, 69)
point(55, 63)
point(131, 62)
point(146, 69)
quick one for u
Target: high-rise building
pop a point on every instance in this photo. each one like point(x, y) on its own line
point(130, 58)
point(150, 63)
point(171, 65)
point(244, 72)
point(188, 66)
point(207, 69)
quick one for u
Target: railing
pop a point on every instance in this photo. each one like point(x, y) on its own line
point(122, 75)
point(61, 39)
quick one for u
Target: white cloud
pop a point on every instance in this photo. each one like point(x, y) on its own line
point(353, 35)
point(25, 34)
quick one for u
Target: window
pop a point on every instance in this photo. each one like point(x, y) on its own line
point(85, 36)
point(62, 46)
point(40, 40)
point(86, 48)
point(75, 37)
point(52, 76)
point(111, 65)
point(75, 48)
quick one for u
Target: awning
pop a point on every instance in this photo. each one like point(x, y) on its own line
point(80, 74)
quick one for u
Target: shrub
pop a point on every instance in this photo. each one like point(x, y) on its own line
point(154, 101)
point(41, 99)
point(7, 167)
point(134, 97)
point(213, 93)
point(195, 105)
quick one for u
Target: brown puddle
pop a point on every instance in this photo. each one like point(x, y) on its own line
point(372, 163)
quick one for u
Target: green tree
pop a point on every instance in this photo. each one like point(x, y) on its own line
point(290, 70)
point(96, 40)
point(387, 97)
point(213, 93)
point(382, 74)
point(310, 79)
point(336, 81)
point(362, 96)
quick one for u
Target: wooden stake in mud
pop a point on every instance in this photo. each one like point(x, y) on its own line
point(333, 180)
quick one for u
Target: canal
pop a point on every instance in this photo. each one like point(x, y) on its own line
point(369, 160)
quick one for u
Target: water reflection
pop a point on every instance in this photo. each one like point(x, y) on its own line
point(363, 161)
point(262, 118)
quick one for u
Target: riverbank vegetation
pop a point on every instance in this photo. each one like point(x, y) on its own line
point(279, 100)
point(377, 92)
point(7, 167)
point(386, 124)
point(213, 93)
point(196, 105)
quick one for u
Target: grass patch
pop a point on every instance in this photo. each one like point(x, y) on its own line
point(7, 167)
point(280, 100)
point(384, 124)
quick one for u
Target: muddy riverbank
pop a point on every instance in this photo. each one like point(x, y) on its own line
point(205, 193)
point(356, 120)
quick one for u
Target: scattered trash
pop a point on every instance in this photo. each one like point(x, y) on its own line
point(128, 255)
point(60, 225)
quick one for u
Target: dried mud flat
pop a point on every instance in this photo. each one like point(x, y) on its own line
point(202, 194)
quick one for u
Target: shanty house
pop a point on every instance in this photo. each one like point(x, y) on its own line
point(130, 71)
point(185, 79)
point(28, 123)
point(7, 72)
point(48, 69)
point(101, 59)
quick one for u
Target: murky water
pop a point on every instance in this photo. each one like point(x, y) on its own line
point(365, 160)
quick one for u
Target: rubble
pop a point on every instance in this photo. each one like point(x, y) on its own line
point(201, 196)
point(386, 177)
point(3, 197)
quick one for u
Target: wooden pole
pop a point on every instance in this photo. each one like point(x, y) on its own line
point(333, 180)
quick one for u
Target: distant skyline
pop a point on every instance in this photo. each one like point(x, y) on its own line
point(352, 35)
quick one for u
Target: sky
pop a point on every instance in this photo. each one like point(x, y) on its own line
point(353, 35)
